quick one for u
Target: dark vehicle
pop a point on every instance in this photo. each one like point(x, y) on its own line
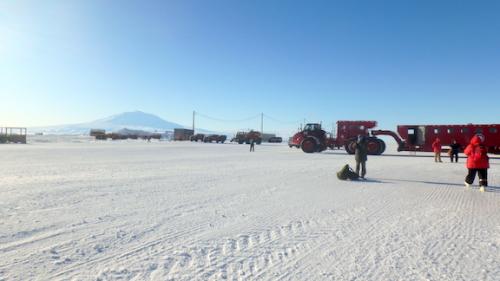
point(215, 138)
point(197, 137)
point(98, 134)
point(275, 140)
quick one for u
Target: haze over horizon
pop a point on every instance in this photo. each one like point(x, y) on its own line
point(420, 62)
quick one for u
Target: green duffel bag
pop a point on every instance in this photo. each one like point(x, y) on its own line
point(346, 173)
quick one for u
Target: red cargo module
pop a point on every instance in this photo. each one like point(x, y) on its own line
point(420, 137)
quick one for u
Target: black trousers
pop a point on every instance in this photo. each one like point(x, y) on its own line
point(363, 168)
point(483, 176)
point(454, 155)
point(252, 147)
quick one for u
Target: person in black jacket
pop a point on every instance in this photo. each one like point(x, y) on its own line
point(454, 150)
point(361, 156)
point(252, 145)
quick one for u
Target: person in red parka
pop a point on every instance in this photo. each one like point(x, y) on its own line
point(436, 147)
point(477, 161)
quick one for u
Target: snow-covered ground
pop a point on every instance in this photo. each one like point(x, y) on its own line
point(132, 210)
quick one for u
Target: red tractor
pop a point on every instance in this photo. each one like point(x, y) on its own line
point(313, 139)
point(247, 137)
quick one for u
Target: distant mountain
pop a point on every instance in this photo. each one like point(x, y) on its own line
point(136, 120)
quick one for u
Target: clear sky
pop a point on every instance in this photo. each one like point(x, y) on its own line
point(397, 62)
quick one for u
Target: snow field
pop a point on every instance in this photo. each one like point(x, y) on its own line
point(131, 210)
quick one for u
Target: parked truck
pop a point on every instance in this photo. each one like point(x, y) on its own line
point(197, 137)
point(247, 137)
point(408, 137)
point(215, 138)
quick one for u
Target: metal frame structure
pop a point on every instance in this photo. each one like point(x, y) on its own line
point(13, 135)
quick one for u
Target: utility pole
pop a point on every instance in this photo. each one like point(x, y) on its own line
point(262, 123)
point(194, 113)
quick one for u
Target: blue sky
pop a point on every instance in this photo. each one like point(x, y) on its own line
point(398, 62)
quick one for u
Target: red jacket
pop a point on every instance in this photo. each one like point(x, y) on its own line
point(477, 157)
point(436, 145)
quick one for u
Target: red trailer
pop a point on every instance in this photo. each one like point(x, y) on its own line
point(409, 137)
point(421, 137)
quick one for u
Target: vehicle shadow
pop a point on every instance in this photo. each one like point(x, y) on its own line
point(374, 181)
point(443, 156)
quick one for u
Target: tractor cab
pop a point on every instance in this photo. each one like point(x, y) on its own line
point(312, 127)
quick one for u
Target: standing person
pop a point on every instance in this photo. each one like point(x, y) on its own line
point(436, 147)
point(454, 150)
point(361, 153)
point(252, 145)
point(477, 162)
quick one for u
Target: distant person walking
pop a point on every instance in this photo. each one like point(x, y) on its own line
point(477, 162)
point(361, 156)
point(436, 147)
point(252, 145)
point(454, 150)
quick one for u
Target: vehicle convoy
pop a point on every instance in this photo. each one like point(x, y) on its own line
point(215, 138)
point(409, 137)
point(247, 137)
point(123, 134)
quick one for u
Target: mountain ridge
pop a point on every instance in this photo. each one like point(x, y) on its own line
point(133, 120)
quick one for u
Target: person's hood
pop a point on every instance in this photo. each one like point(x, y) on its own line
point(476, 140)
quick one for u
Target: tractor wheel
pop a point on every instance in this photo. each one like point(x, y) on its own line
point(382, 146)
point(373, 146)
point(309, 146)
point(240, 142)
point(349, 146)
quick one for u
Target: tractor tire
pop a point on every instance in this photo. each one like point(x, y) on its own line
point(240, 142)
point(382, 147)
point(349, 146)
point(309, 145)
point(373, 145)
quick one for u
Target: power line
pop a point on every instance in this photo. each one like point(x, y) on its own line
point(281, 121)
point(228, 120)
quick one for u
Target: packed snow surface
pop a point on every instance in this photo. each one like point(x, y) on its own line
point(133, 210)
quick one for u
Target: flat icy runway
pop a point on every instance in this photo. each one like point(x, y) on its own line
point(187, 211)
